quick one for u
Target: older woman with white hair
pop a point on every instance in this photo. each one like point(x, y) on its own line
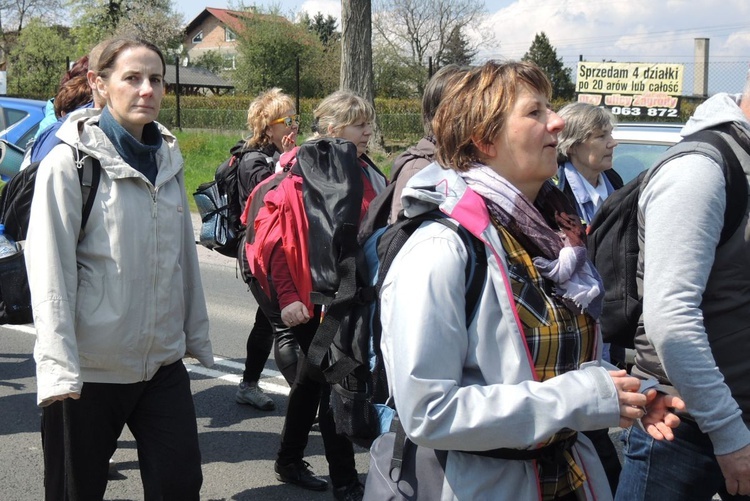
point(584, 154)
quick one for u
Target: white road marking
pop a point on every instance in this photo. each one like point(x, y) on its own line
point(193, 365)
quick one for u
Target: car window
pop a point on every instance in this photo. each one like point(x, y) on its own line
point(24, 141)
point(12, 116)
point(632, 158)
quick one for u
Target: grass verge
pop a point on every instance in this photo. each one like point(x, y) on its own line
point(204, 150)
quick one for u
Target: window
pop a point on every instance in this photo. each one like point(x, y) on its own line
point(229, 35)
point(198, 38)
point(229, 62)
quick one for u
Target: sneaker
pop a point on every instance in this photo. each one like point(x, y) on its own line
point(300, 474)
point(250, 393)
point(352, 492)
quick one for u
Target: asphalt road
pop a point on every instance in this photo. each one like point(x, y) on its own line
point(238, 442)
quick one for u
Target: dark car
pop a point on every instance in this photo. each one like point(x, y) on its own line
point(19, 119)
point(640, 145)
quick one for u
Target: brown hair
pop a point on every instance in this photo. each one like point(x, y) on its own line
point(117, 46)
point(79, 67)
point(72, 95)
point(436, 88)
point(475, 109)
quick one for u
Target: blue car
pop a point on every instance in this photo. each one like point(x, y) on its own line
point(19, 122)
point(19, 119)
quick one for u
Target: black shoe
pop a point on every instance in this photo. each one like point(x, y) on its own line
point(300, 474)
point(352, 492)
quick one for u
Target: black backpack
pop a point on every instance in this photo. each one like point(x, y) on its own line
point(15, 207)
point(346, 279)
point(347, 343)
point(220, 208)
point(613, 233)
point(380, 207)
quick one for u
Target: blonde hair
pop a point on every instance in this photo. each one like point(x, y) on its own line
point(340, 109)
point(476, 107)
point(263, 110)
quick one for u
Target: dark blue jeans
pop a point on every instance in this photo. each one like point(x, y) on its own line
point(684, 469)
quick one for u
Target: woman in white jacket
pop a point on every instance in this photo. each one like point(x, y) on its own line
point(523, 378)
point(119, 303)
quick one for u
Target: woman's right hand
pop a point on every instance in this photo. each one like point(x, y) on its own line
point(58, 398)
point(632, 403)
point(289, 141)
point(294, 314)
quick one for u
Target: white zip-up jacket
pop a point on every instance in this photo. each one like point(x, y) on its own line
point(127, 299)
point(475, 389)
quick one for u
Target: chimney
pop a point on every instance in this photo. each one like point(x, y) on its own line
point(700, 79)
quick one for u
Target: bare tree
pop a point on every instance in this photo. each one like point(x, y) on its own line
point(356, 54)
point(153, 20)
point(419, 29)
point(18, 12)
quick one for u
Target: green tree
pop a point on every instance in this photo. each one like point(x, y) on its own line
point(544, 55)
point(37, 60)
point(323, 27)
point(392, 76)
point(458, 49)
point(268, 47)
point(212, 60)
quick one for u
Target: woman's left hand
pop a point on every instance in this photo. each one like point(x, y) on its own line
point(632, 403)
point(294, 314)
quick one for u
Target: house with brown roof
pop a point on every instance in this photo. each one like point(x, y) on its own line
point(215, 30)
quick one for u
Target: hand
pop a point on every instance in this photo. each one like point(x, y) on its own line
point(58, 398)
point(736, 470)
point(632, 403)
point(659, 419)
point(294, 314)
point(289, 141)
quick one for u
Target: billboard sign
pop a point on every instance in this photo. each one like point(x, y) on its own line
point(638, 89)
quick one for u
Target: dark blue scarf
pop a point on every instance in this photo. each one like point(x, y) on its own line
point(139, 155)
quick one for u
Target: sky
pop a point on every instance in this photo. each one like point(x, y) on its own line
point(619, 30)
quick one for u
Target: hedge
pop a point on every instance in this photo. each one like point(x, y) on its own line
point(399, 119)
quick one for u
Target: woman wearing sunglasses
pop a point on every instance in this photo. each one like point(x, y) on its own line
point(273, 124)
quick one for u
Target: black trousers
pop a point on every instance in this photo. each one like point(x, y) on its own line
point(159, 413)
point(310, 395)
point(258, 347)
point(268, 326)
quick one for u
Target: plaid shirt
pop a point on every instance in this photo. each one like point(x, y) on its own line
point(559, 341)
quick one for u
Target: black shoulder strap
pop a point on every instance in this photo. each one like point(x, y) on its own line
point(89, 176)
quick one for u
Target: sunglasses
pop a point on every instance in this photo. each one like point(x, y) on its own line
point(288, 121)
